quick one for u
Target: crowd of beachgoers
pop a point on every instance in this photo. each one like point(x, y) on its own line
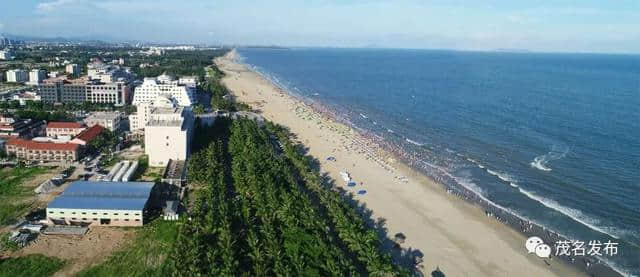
point(385, 152)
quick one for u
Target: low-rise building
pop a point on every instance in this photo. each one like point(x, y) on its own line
point(23, 97)
point(102, 203)
point(55, 129)
point(175, 173)
point(108, 73)
point(17, 76)
point(88, 135)
point(42, 151)
point(109, 120)
point(167, 134)
point(23, 128)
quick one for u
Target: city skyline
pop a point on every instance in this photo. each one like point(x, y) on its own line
point(557, 26)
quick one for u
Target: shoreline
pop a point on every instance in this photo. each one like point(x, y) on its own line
point(465, 253)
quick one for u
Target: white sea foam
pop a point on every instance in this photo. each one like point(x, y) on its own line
point(476, 163)
point(470, 185)
point(390, 131)
point(504, 177)
point(540, 163)
point(414, 142)
point(574, 214)
point(492, 172)
point(364, 116)
point(557, 152)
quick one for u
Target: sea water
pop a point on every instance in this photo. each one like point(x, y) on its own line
point(554, 138)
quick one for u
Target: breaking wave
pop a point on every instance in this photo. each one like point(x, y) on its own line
point(574, 214)
point(414, 142)
point(504, 177)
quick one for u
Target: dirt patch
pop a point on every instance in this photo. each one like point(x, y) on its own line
point(80, 251)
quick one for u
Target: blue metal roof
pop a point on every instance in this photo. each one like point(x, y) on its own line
point(104, 196)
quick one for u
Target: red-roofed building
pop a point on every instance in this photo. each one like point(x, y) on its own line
point(55, 129)
point(42, 151)
point(88, 135)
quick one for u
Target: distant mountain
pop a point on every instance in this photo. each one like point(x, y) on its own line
point(95, 40)
point(512, 50)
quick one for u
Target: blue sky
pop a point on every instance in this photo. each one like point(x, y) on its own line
point(560, 25)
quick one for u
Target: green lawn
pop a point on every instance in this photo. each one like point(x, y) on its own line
point(12, 194)
point(145, 256)
point(36, 265)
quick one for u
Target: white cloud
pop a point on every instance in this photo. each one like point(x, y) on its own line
point(53, 5)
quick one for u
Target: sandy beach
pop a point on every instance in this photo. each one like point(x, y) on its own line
point(452, 234)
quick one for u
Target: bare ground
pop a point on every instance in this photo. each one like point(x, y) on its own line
point(80, 252)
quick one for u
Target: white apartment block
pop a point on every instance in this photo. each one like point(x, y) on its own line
point(164, 85)
point(116, 93)
point(36, 76)
point(17, 76)
point(73, 69)
point(109, 120)
point(139, 119)
point(167, 134)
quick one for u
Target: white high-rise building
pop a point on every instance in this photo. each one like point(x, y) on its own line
point(36, 76)
point(168, 132)
point(164, 85)
point(73, 69)
point(190, 81)
point(17, 76)
point(6, 54)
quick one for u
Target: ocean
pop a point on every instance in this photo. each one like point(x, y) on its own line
point(552, 138)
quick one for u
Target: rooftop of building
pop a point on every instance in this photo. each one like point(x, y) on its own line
point(91, 133)
point(66, 125)
point(105, 115)
point(165, 123)
point(167, 110)
point(175, 170)
point(29, 144)
point(65, 80)
point(104, 196)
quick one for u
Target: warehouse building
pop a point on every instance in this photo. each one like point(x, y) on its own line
point(101, 203)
